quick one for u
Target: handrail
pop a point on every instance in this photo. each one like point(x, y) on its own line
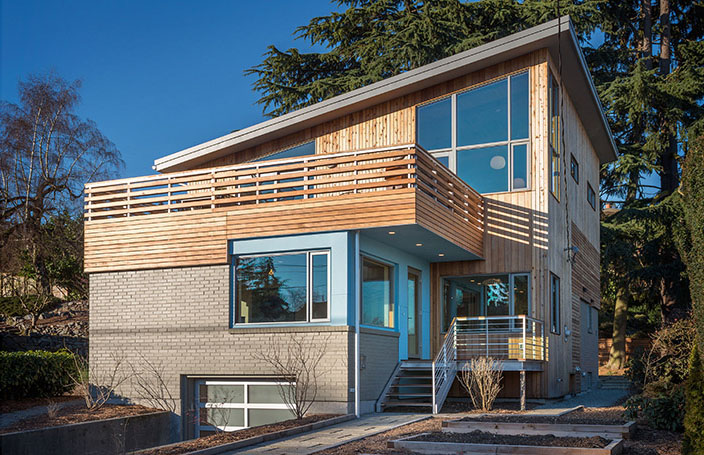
point(444, 367)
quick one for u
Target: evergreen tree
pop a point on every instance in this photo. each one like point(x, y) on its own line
point(693, 441)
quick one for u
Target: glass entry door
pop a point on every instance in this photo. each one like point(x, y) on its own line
point(414, 313)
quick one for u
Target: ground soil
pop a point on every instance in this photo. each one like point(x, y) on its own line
point(224, 438)
point(463, 407)
point(478, 437)
point(76, 414)
point(588, 416)
point(26, 403)
point(644, 442)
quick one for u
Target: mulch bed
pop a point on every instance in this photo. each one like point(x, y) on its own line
point(77, 414)
point(478, 437)
point(224, 438)
point(590, 416)
point(7, 406)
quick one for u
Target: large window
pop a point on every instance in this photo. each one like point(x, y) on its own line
point(554, 303)
point(299, 150)
point(554, 135)
point(233, 405)
point(378, 307)
point(292, 287)
point(481, 134)
point(486, 295)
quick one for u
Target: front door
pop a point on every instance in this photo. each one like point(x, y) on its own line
point(414, 313)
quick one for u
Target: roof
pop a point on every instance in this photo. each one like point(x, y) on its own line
point(575, 74)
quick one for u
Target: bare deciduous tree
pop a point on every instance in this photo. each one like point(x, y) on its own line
point(47, 153)
point(481, 378)
point(97, 386)
point(298, 361)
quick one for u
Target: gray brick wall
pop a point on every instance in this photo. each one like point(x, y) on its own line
point(380, 351)
point(178, 319)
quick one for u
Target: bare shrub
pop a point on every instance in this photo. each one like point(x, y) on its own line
point(481, 378)
point(299, 362)
point(149, 383)
point(52, 409)
point(96, 387)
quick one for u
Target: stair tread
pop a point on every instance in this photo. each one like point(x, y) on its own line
point(411, 385)
point(399, 394)
point(404, 403)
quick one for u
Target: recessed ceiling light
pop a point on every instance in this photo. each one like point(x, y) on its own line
point(392, 232)
point(419, 244)
point(441, 254)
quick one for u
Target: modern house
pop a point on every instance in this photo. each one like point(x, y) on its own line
point(402, 228)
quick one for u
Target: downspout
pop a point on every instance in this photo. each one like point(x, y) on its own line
point(357, 312)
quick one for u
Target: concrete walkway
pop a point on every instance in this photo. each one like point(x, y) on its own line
point(333, 436)
point(595, 398)
point(10, 418)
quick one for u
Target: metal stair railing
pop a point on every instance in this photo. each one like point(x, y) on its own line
point(445, 367)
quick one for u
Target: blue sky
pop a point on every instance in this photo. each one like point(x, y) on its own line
point(158, 76)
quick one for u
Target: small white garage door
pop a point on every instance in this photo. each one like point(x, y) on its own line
point(233, 405)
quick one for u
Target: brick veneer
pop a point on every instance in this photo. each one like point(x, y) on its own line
point(178, 318)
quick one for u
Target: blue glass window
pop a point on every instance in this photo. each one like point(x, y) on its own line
point(377, 294)
point(482, 114)
point(300, 150)
point(520, 166)
point(520, 110)
point(485, 169)
point(434, 122)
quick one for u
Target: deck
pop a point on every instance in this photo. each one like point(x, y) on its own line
point(186, 218)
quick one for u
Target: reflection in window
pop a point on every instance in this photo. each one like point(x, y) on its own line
point(300, 150)
point(485, 295)
point(554, 303)
point(591, 196)
point(554, 134)
point(377, 294)
point(488, 147)
point(275, 288)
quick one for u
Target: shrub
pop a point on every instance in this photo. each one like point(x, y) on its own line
point(693, 442)
point(35, 374)
point(665, 412)
point(481, 378)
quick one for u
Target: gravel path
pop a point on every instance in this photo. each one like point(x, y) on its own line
point(596, 398)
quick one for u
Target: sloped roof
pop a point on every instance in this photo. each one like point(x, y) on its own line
point(575, 74)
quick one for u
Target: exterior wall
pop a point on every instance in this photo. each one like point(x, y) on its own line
point(177, 319)
point(589, 361)
point(376, 363)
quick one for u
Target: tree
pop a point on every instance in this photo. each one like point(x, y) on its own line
point(48, 153)
point(693, 441)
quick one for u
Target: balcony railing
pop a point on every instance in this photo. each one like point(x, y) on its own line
point(503, 338)
point(267, 182)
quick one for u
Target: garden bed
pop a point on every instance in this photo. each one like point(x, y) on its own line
point(486, 443)
point(583, 416)
point(76, 414)
point(7, 406)
point(226, 441)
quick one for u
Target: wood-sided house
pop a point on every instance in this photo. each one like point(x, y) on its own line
point(445, 213)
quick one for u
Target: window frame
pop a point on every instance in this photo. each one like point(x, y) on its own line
point(591, 196)
point(510, 143)
point(245, 405)
point(309, 282)
point(555, 317)
point(574, 168)
point(392, 291)
point(554, 136)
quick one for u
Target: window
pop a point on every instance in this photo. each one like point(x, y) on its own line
point(377, 294)
point(486, 295)
point(292, 287)
point(233, 405)
point(554, 304)
point(554, 134)
point(482, 134)
point(574, 169)
point(299, 150)
point(591, 196)
point(590, 320)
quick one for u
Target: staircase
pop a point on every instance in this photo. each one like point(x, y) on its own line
point(411, 385)
point(614, 383)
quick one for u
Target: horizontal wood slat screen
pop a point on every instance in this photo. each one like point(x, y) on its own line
point(159, 220)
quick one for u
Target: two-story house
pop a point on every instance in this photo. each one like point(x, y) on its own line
point(442, 214)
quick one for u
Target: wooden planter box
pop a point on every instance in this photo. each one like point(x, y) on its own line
point(556, 429)
point(614, 448)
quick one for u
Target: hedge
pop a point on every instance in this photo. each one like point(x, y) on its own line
point(36, 374)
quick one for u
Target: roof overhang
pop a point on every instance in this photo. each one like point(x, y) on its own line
point(577, 80)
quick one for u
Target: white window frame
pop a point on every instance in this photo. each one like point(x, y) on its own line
point(246, 405)
point(309, 288)
point(509, 143)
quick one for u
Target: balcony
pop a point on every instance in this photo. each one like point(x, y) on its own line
point(186, 218)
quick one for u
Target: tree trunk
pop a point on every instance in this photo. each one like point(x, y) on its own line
point(617, 354)
point(647, 45)
point(669, 176)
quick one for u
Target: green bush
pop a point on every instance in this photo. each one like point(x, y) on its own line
point(36, 374)
point(693, 442)
point(665, 412)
